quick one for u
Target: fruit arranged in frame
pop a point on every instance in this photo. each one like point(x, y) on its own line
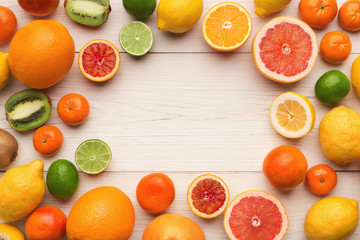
point(342, 214)
point(339, 135)
point(5, 72)
point(136, 38)
point(47, 140)
point(208, 196)
point(226, 26)
point(355, 75)
point(93, 156)
point(45, 223)
point(292, 115)
point(264, 8)
point(172, 226)
point(332, 87)
point(178, 16)
point(10, 232)
point(73, 109)
point(99, 60)
point(139, 9)
point(8, 148)
point(91, 13)
point(39, 8)
point(102, 213)
point(321, 179)
point(22, 190)
point(255, 215)
point(318, 13)
point(155, 192)
point(28, 109)
point(41, 53)
point(8, 24)
point(335, 47)
point(285, 167)
point(349, 15)
point(62, 179)
point(281, 57)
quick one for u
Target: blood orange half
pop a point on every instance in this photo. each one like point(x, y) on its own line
point(285, 49)
point(99, 60)
point(256, 215)
point(208, 196)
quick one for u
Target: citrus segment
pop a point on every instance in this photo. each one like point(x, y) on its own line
point(208, 196)
point(285, 49)
point(256, 215)
point(226, 26)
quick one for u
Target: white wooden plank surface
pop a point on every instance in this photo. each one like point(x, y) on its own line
point(185, 110)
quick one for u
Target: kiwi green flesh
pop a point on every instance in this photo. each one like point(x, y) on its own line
point(88, 12)
point(28, 109)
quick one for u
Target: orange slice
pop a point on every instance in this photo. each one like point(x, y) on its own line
point(226, 26)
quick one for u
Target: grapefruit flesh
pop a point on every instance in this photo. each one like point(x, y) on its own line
point(285, 49)
point(256, 215)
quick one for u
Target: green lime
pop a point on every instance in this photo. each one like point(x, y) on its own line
point(136, 38)
point(332, 87)
point(139, 9)
point(62, 179)
point(93, 156)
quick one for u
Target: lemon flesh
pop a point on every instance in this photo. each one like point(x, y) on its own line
point(266, 7)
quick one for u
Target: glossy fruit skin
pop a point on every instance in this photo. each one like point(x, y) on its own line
point(45, 223)
point(8, 24)
point(155, 192)
point(47, 140)
point(139, 9)
point(285, 167)
point(349, 15)
point(318, 13)
point(73, 109)
point(332, 87)
point(321, 179)
point(39, 8)
point(335, 47)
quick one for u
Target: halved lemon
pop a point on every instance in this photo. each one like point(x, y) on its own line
point(292, 115)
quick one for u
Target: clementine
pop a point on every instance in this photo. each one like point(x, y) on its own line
point(41, 53)
point(335, 47)
point(8, 24)
point(349, 15)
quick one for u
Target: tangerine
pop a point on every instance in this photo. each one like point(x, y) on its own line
point(349, 15)
point(8, 24)
point(335, 47)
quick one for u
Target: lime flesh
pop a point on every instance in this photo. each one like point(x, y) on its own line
point(136, 38)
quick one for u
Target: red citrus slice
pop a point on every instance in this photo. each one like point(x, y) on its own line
point(256, 215)
point(99, 60)
point(208, 196)
point(285, 49)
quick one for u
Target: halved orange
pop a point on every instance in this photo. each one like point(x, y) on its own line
point(99, 60)
point(226, 26)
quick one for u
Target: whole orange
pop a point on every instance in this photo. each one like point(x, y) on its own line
point(8, 24)
point(335, 47)
point(41, 53)
point(104, 213)
point(285, 167)
point(173, 226)
point(155, 192)
point(45, 223)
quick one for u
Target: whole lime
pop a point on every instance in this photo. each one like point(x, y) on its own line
point(62, 179)
point(139, 9)
point(332, 87)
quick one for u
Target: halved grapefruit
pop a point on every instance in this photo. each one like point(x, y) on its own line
point(285, 49)
point(208, 196)
point(99, 60)
point(256, 215)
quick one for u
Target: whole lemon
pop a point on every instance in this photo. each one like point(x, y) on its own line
point(266, 7)
point(339, 135)
point(10, 232)
point(355, 75)
point(178, 16)
point(5, 72)
point(332, 218)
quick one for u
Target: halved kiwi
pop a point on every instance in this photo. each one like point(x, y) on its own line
point(88, 12)
point(28, 109)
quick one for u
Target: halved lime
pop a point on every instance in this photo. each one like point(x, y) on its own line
point(93, 156)
point(136, 38)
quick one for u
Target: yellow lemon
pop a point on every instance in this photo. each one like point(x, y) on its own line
point(339, 135)
point(266, 7)
point(355, 75)
point(10, 232)
point(178, 16)
point(332, 218)
point(5, 72)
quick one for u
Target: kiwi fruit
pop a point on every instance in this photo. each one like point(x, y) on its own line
point(88, 12)
point(8, 148)
point(28, 109)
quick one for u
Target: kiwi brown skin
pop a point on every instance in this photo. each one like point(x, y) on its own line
point(27, 99)
point(84, 18)
point(8, 148)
